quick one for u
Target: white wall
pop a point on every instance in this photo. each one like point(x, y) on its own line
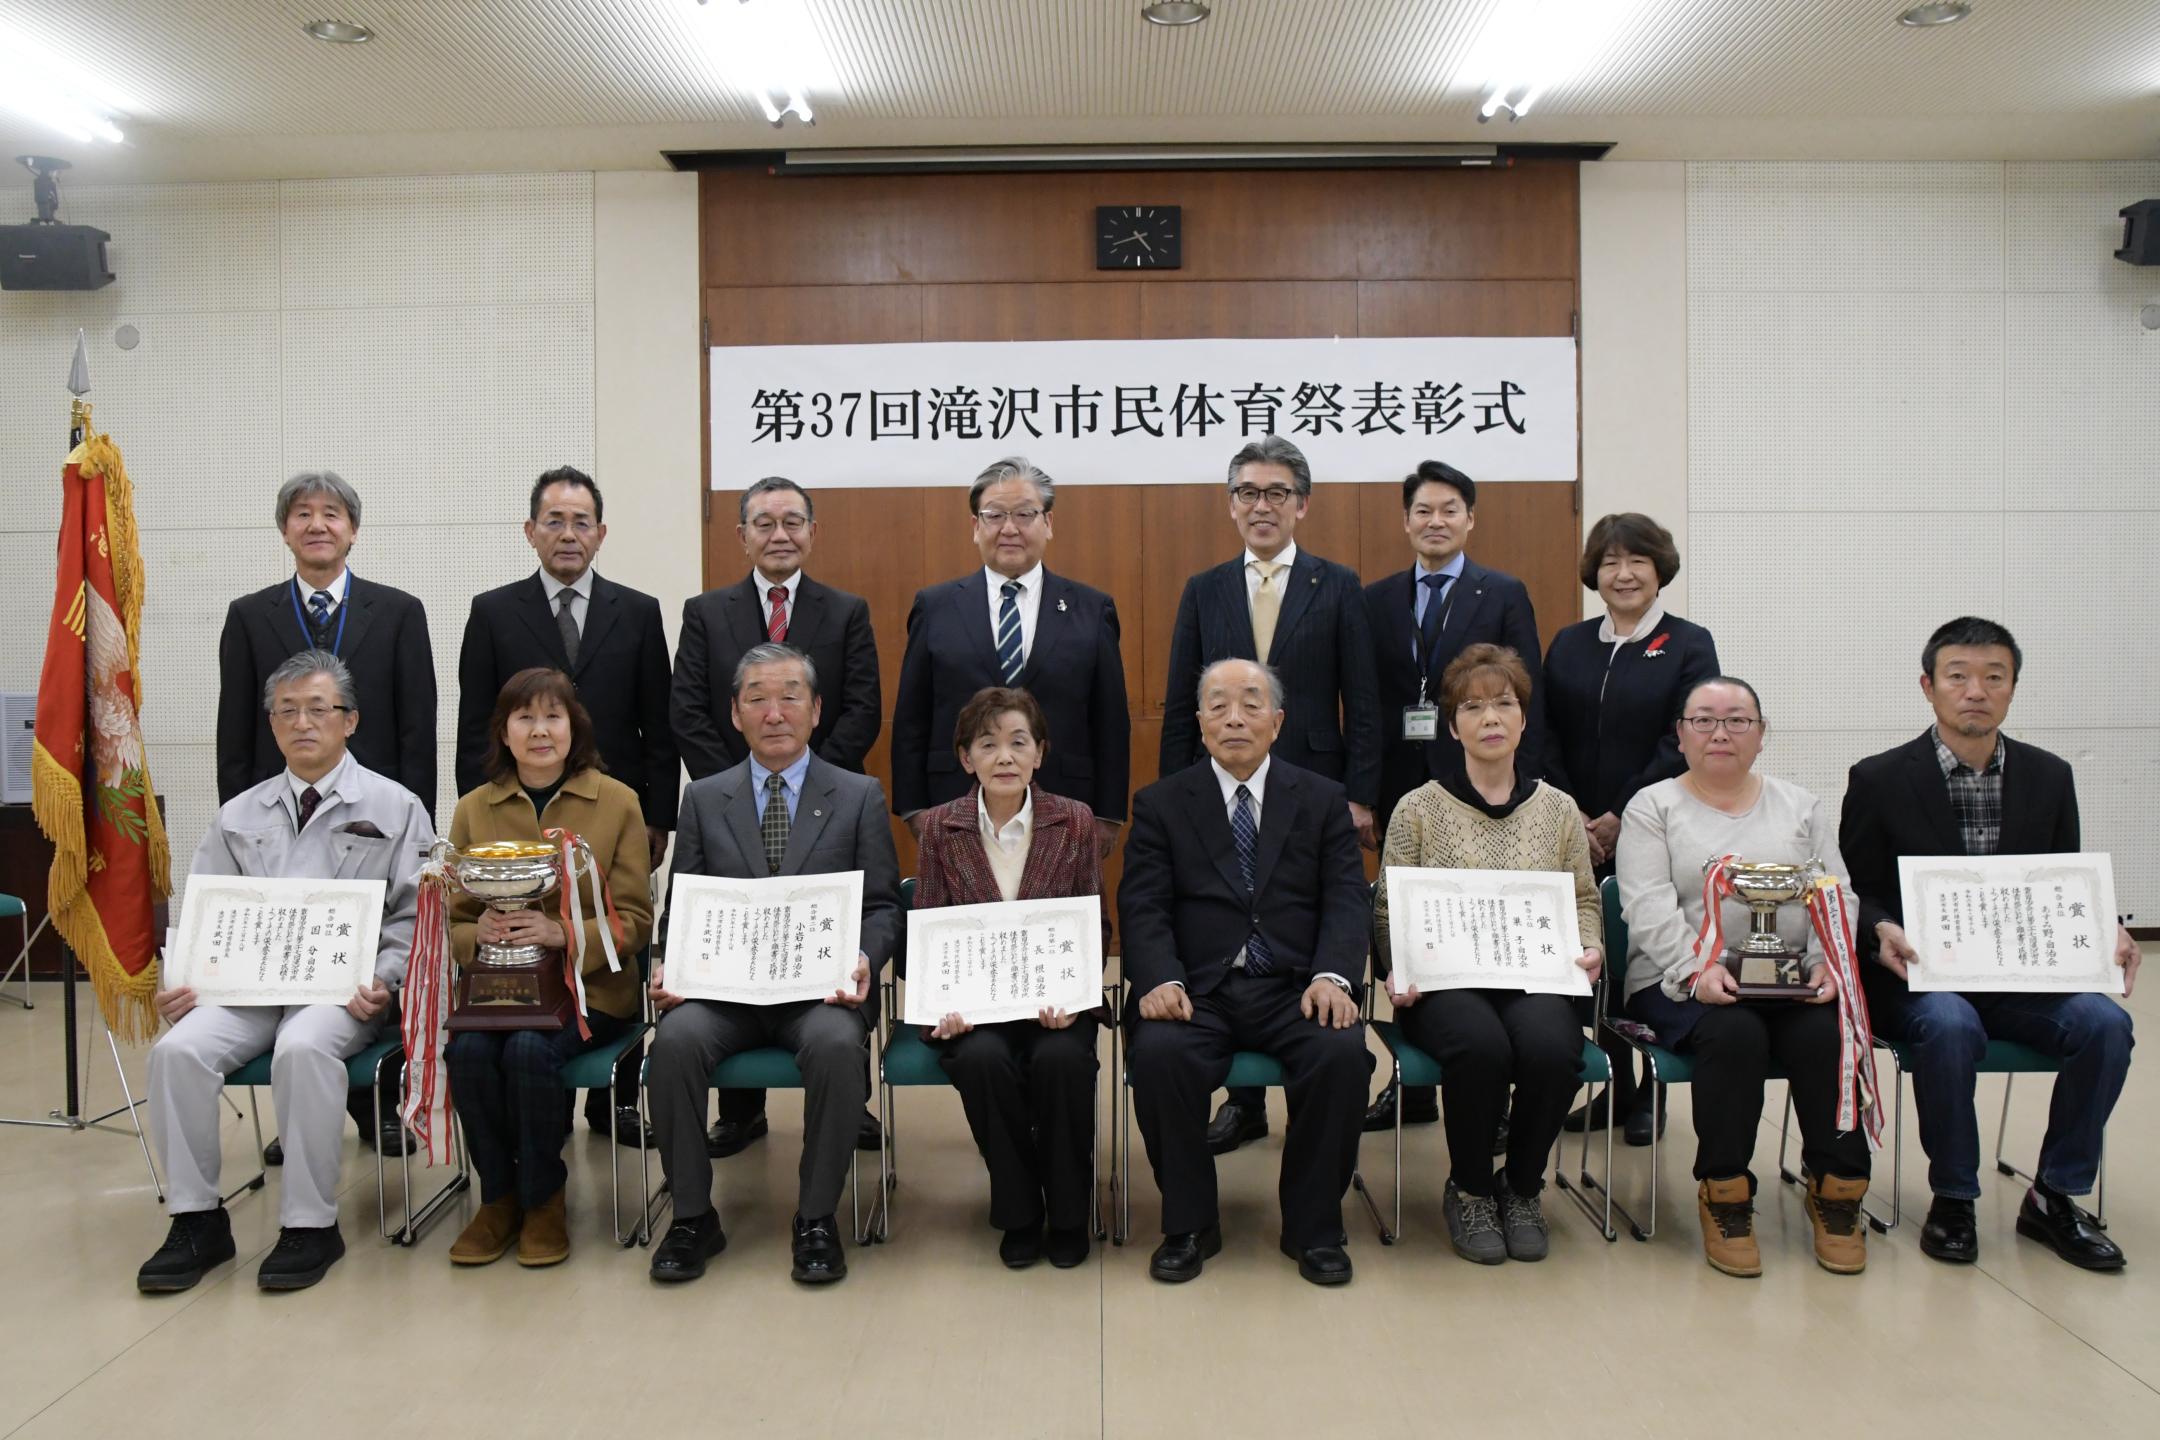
point(436, 341)
point(1911, 391)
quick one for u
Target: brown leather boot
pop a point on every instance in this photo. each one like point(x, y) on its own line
point(487, 1238)
point(1727, 1212)
point(1833, 1206)
point(545, 1240)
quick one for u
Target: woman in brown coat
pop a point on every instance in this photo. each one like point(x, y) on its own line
point(1028, 1086)
point(507, 1084)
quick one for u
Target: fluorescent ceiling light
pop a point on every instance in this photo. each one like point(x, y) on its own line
point(767, 48)
point(338, 32)
point(1529, 46)
point(1923, 17)
point(47, 89)
point(1174, 12)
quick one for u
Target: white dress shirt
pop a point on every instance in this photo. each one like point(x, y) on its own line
point(1007, 845)
point(1029, 600)
point(1257, 786)
point(1283, 564)
point(294, 784)
point(581, 596)
point(335, 590)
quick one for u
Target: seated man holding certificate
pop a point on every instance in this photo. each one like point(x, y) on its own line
point(1963, 788)
point(506, 1084)
point(1488, 1039)
point(325, 817)
point(1680, 985)
point(781, 812)
point(1244, 922)
point(1028, 1086)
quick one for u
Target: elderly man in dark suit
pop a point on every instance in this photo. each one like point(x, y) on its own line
point(608, 639)
point(1302, 616)
point(1965, 788)
point(1014, 623)
point(1244, 922)
point(782, 811)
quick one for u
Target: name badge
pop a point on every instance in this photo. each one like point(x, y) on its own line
point(1421, 722)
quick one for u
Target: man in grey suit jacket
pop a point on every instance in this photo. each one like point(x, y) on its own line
point(325, 816)
point(782, 811)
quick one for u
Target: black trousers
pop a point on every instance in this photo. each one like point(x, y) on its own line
point(1733, 1047)
point(1177, 1065)
point(507, 1087)
point(1029, 1093)
point(1485, 1041)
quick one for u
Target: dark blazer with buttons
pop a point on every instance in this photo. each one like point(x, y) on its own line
point(1074, 670)
point(385, 646)
point(1184, 911)
point(1483, 607)
point(621, 676)
point(1898, 803)
point(1609, 716)
point(831, 626)
point(1322, 650)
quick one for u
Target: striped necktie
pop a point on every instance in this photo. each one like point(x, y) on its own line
point(1245, 831)
point(1008, 633)
point(319, 607)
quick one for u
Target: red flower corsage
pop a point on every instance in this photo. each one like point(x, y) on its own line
point(1656, 647)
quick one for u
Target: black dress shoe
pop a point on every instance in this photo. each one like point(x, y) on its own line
point(1637, 1132)
point(1421, 1106)
point(1233, 1125)
point(686, 1247)
point(1067, 1248)
point(1179, 1257)
point(732, 1137)
point(199, 1240)
point(2056, 1222)
point(819, 1258)
point(1322, 1264)
point(869, 1135)
point(628, 1127)
point(300, 1258)
point(1950, 1235)
point(274, 1153)
point(1021, 1248)
point(393, 1140)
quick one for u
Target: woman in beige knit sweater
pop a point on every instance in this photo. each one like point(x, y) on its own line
point(1489, 1040)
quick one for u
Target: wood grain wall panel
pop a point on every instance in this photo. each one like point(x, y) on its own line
point(814, 314)
point(1249, 309)
point(1069, 311)
point(1465, 307)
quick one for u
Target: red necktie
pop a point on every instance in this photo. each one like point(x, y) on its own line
point(776, 623)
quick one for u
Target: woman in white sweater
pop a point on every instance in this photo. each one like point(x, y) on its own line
point(1720, 806)
point(1488, 1040)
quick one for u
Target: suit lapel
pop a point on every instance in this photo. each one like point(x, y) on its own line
point(1052, 620)
point(360, 598)
point(2017, 805)
point(1932, 793)
point(532, 608)
point(809, 608)
point(1457, 609)
point(1046, 852)
point(1277, 814)
point(1236, 605)
point(285, 620)
point(974, 593)
point(812, 811)
point(1297, 598)
point(1215, 825)
point(745, 618)
point(746, 819)
point(601, 611)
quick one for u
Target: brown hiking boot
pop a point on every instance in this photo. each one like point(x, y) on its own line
point(1833, 1205)
point(1727, 1212)
point(545, 1240)
point(487, 1238)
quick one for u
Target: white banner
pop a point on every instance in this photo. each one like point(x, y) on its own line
point(1145, 412)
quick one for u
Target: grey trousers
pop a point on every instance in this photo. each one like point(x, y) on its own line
point(188, 1066)
point(828, 1042)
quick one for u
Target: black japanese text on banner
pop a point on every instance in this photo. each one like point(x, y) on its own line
point(1149, 412)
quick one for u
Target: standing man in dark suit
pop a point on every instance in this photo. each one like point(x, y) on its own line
point(1302, 616)
point(777, 602)
point(608, 639)
point(379, 633)
point(1245, 926)
point(1964, 788)
point(1421, 619)
point(1014, 623)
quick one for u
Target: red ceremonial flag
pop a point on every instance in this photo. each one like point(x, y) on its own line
point(93, 797)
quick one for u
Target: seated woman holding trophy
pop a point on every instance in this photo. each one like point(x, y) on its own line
point(539, 982)
point(1740, 957)
point(1028, 1086)
point(1488, 1039)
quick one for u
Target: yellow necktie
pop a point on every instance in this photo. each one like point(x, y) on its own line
point(1266, 605)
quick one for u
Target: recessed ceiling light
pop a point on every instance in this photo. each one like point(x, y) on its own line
point(338, 32)
point(1175, 12)
point(1923, 17)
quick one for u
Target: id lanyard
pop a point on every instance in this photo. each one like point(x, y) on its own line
point(1417, 635)
point(343, 610)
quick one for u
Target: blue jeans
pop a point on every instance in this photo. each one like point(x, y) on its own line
point(1947, 1034)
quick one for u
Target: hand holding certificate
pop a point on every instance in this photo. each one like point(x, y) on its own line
point(1484, 929)
point(2011, 922)
point(1004, 961)
point(248, 941)
point(766, 941)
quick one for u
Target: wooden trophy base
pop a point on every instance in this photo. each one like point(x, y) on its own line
point(513, 997)
point(1767, 977)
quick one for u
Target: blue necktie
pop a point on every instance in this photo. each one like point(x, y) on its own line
point(319, 606)
point(1245, 831)
point(1008, 636)
point(1429, 626)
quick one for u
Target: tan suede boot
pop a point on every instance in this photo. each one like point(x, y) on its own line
point(1833, 1206)
point(1727, 1212)
point(487, 1238)
point(545, 1240)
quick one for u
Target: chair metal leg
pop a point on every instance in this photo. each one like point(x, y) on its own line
point(1123, 1231)
point(1357, 1176)
point(22, 963)
point(134, 1113)
point(262, 1172)
point(1897, 1156)
point(417, 1220)
point(1784, 1138)
point(1604, 1188)
point(1580, 1192)
point(2004, 1167)
point(651, 1203)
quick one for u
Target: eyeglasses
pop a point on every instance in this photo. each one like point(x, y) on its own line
point(555, 525)
point(1497, 705)
point(995, 519)
point(1248, 496)
point(793, 524)
point(316, 714)
point(1733, 724)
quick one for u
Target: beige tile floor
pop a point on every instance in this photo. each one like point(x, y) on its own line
point(930, 1336)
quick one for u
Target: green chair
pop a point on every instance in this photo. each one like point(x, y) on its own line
point(365, 1071)
point(12, 908)
point(1249, 1069)
point(595, 1070)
